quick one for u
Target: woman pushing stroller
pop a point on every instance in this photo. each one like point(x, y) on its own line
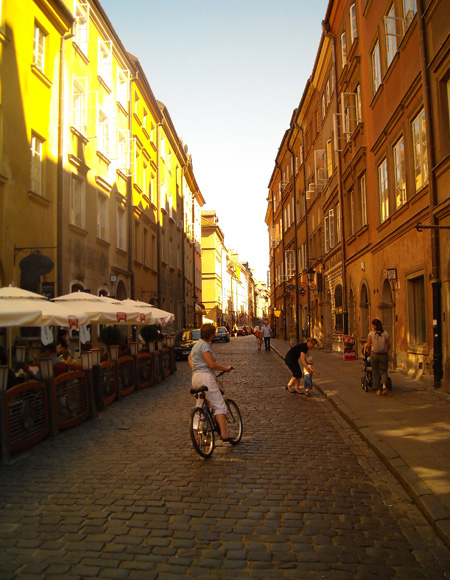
point(377, 347)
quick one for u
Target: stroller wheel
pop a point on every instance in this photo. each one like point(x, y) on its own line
point(364, 384)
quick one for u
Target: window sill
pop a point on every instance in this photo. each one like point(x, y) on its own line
point(38, 198)
point(103, 242)
point(105, 83)
point(376, 96)
point(41, 76)
point(78, 230)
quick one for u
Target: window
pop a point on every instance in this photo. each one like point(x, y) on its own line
point(146, 249)
point(162, 150)
point(105, 60)
point(144, 118)
point(102, 216)
point(363, 198)
point(391, 38)
point(352, 212)
point(121, 227)
point(327, 92)
point(152, 190)
point(358, 104)
point(417, 310)
point(122, 87)
point(376, 68)
point(383, 190)
point(338, 223)
point(77, 202)
point(81, 25)
point(103, 132)
point(324, 107)
point(343, 49)
point(136, 104)
point(123, 151)
point(409, 10)
point(399, 173)
point(329, 230)
point(39, 48)
point(420, 150)
point(145, 178)
point(329, 159)
point(353, 30)
point(79, 103)
point(36, 164)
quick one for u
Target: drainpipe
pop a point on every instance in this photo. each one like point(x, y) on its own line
point(297, 302)
point(130, 203)
point(436, 283)
point(158, 212)
point(284, 258)
point(60, 184)
point(328, 34)
point(306, 225)
point(184, 302)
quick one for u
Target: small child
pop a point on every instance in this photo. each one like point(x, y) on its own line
point(307, 379)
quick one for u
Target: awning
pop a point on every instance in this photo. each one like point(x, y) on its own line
point(199, 309)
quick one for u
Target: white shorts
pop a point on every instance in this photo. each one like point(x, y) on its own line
point(213, 395)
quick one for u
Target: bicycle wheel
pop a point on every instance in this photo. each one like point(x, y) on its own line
point(234, 422)
point(202, 433)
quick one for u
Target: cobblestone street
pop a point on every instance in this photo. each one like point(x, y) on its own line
point(126, 496)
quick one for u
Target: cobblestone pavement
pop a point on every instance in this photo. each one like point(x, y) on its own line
point(126, 496)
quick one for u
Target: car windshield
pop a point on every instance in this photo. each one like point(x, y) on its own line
point(195, 335)
point(221, 330)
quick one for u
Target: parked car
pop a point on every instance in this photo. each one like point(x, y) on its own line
point(184, 341)
point(241, 331)
point(222, 335)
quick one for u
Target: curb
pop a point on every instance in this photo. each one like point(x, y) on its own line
point(437, 515)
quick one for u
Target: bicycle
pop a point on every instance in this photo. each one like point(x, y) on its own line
point(203, 425)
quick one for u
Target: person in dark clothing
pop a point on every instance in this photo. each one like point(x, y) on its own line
point(295, 354)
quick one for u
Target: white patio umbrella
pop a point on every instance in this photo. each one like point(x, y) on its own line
point(100, 309)
point(20, 307)
point(153, 315)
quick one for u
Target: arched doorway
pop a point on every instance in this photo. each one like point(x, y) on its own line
point(328, 333)
point(387, 315)
point(364, 312)
point(121, 291)
point(351, 313)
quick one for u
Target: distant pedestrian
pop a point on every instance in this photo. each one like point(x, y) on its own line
point(377, 346)
point(259, 337)
point(267, 333)
point(296, 353)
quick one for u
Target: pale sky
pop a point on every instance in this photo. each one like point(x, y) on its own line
point(230, 72)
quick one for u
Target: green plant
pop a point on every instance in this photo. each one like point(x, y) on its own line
point(149, 333)
point(111, 335)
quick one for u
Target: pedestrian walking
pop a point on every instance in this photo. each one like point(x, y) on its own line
point(296, 353)
point(259, 337)
point(267, 333)
point(378, 345)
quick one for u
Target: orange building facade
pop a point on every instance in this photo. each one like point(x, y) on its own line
point(359, 209)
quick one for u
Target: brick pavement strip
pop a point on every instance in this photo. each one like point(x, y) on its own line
point(125, 496)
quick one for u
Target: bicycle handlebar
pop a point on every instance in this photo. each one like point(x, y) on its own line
point(222, 373)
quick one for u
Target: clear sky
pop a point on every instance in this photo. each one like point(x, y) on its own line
point(230, 72)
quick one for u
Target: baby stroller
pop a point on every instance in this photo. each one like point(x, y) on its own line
point(367, 380)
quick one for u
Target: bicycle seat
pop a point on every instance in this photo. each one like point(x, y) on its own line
point(196, 390)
